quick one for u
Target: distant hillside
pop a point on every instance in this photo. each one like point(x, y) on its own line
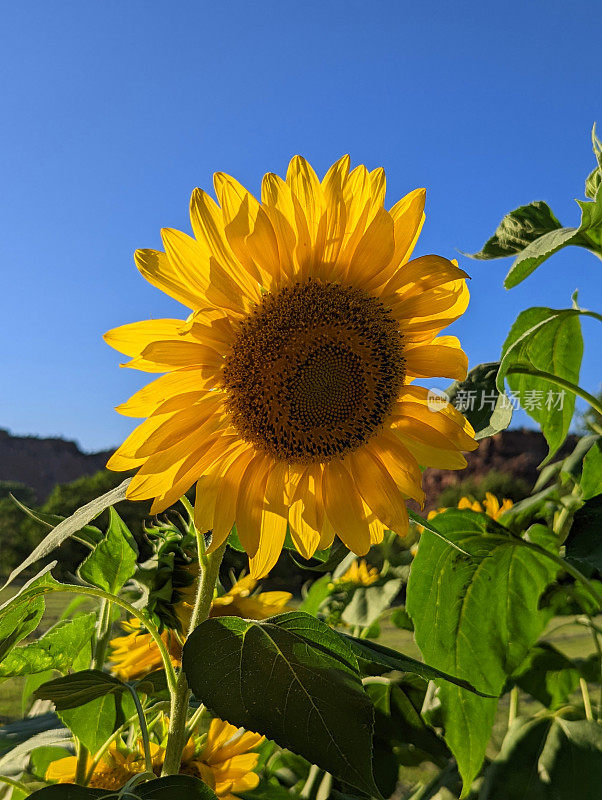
point(43, 463)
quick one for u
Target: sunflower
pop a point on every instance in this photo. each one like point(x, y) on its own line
point(288, 395)
point(136, 654)
point(360, 574)
point(223, 759)
point(490, 506)
point(112, 771)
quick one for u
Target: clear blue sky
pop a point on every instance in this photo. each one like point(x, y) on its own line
point(113, 111)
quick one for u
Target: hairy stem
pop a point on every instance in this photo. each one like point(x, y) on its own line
point(209, 565)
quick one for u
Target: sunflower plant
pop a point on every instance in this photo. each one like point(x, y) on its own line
point(288, 397)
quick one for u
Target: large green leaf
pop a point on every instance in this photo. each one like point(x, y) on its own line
point(17, 621)
point(476, 617)
point(79, 688)
point(519, 229)
point(547, 759)
point(181, 786)
point(533, 234)
point(291, 678)
point(57, 649)
point(70, 526)
point(485, 406)
point(544, 340)
point(113, 561)
point(94, 721)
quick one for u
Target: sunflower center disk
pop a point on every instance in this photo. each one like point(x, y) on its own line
point(314, 371)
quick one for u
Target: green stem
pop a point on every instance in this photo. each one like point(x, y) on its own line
point(15, 784)
point(103, 634)
point(587, 704)
point(514, 705)
point(209, 565)
point(148, 760)
point(558, 381)
point(194, 719)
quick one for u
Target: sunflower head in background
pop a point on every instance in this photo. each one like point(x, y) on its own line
point(288, 393)
point(490, 506)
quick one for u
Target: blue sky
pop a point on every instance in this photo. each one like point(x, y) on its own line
point(113, 112)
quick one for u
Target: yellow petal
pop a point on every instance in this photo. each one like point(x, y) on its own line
point(294, 245)
point(443, 357)
point(131, 339)
point(250, 500)
point(178, 425)
point(248, 229)
point(158, 270)
point(344, 508)
point(429, 447)
point(458, 435)
point(305, 513)
point(399, 462)
point(373, 252)
point(379, 490)
point(408, 216)
point(225, 503)
point(170, 355)
point(273, 523)
point(175, 384)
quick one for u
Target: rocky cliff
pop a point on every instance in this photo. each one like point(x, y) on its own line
point(42, 463)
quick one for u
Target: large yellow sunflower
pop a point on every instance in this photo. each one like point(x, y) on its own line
point(288, 393)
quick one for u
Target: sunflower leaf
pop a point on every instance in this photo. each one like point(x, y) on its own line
point(79, 688)
point(56, 649)
point(533, 234)
point(469, 622)
point(113, 561)
point(485, 406)
point(291, 678)
point(544, 341)
point(68, 527)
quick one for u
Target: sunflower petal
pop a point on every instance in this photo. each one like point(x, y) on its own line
point(442, 357)
point(344, 508)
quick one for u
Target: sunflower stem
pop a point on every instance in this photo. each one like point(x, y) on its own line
point(209, 564)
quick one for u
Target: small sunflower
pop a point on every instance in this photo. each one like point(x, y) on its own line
point(136, 654)
point(490, 506)
point(288, 395)
point(223, 759)
point(360, 573)
point(112, 771)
